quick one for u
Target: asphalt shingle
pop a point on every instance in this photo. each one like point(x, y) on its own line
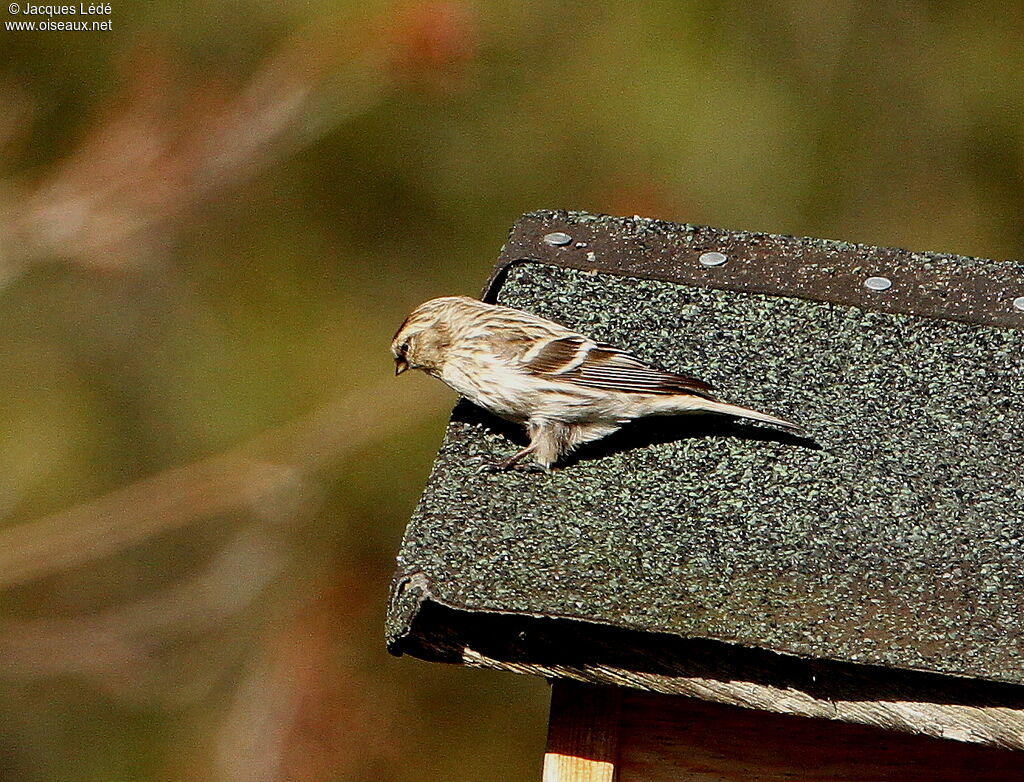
point(895, 538)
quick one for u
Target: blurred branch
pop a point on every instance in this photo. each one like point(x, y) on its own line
point(270, 472)
point(133, 182)
point(114, 648)
point(270, 480)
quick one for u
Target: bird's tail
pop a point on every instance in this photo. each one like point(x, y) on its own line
point(754, 415)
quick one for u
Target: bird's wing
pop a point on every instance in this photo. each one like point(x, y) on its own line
point(580, 361)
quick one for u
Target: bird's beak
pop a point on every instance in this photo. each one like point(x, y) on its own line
point(400, 366)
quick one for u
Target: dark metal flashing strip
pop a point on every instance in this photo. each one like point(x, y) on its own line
point(950, 287)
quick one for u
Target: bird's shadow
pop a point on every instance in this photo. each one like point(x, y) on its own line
point(640, 433)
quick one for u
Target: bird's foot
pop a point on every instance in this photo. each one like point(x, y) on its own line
point(530, 467)
point(509, 465)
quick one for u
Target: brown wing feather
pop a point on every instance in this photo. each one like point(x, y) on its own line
point(557, 356)
point(608, 368)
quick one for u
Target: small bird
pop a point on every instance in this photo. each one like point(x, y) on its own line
point(565, 387)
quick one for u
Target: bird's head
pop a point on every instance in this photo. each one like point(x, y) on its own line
point(422, 340)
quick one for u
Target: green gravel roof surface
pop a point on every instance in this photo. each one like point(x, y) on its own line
point(894, 537)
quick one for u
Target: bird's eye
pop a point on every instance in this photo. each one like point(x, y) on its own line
point(403, 349)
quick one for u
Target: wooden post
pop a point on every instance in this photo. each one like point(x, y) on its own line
point(583, 733)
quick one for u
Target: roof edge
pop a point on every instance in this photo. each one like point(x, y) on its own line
point(422, 625)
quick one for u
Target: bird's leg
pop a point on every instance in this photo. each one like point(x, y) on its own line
point(506, 464)
point(536, 432)
point(512, 461)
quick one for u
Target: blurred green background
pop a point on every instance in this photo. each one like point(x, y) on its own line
point(214, 216)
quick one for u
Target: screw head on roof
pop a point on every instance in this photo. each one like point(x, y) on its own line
point(557, 239)
point(1018, 303)
point(713, 259)
point(878, 283)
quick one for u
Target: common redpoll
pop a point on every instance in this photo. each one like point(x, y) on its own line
point(565, 387)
